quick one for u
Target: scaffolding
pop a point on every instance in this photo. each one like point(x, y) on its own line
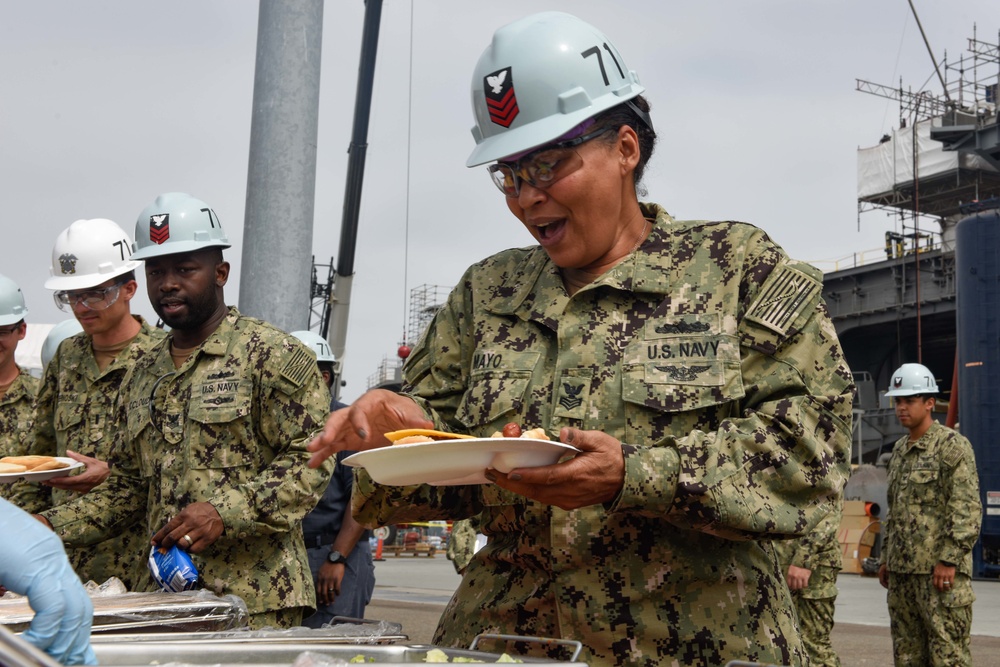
point(944, 153)
point(425, 302)
point(319, 297)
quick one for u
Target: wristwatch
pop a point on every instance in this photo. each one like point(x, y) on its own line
point(336, 557)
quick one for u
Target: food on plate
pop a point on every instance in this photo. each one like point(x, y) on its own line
point(10, 467)
point(409, 436)
point(512, 430)
point(32, 463)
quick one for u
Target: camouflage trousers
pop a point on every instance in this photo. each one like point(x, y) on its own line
point(930, 628)
point(816, 624)
point(279, 619)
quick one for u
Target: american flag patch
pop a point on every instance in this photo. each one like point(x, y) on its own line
point(785, 294)
point(296, 370)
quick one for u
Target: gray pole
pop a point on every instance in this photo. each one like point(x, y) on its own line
point(281, 179)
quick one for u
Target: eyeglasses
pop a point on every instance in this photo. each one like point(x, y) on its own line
point(9, 331)
point(543, 167)
point(92, 299)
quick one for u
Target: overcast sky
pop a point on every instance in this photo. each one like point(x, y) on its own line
point(104, 105)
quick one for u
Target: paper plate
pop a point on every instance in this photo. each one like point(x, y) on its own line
point(11, 477)
point(456, 462)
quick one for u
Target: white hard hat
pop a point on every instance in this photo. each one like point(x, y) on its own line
point(57, 334)
point(12, 308)
point(317, 344)
point(912, 379)
point(174, 223)
point(88, 253)
point(541, 77)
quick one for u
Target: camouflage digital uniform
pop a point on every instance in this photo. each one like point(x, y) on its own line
point(819, 552)
point(934, 514)
point(17, 412)
point(75, 410)
point(462, 543)
point(711, 357)
point(229, 427)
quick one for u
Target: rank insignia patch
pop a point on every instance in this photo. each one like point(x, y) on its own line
point(500, 98)
point(159, 228)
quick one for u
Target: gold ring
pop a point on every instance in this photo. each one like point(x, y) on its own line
point(188, 538)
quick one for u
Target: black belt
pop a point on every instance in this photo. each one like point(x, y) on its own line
point(313, 541)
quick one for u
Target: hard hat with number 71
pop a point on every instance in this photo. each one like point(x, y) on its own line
point(88, 253)
point(317, 344)
point(540, 77)
point(175, 223)
point(911, 380)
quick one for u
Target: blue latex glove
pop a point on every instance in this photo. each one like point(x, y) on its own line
point(33, 563)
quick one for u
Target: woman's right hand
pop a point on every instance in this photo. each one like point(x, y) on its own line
point(362, 425)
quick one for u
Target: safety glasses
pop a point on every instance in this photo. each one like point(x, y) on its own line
point(91, 299)
point(543, 167)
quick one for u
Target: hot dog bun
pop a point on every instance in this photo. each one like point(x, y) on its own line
point(34, 463)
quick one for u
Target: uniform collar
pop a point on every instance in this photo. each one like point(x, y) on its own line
point(647, 270)
point(85, 363)
point(18, 388)
point(218, 341)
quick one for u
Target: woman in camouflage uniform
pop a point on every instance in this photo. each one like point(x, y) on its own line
point(692, 363)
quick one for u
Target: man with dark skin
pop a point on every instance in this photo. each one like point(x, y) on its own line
point(216, 420)
point(186, 291)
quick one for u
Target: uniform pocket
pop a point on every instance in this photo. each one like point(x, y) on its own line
point(923, 486)
point(498, 384)
point(68, 415)
point(223, 435)
point(681, 363)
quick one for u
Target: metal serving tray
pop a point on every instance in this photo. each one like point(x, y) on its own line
point(264, 653)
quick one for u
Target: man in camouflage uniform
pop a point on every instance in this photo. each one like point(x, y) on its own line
point(93, 275)
point(933, 521)
point(17, 386)
point(811, 565)
point(216, 420)
point(693, 364)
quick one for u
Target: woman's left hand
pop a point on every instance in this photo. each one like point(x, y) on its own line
point(593, 476)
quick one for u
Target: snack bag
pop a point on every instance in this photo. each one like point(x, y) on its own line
point(172, 569)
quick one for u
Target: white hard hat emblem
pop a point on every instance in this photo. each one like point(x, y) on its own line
point(67, 263)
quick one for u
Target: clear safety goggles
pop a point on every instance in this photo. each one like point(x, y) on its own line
point(543, 167)
point(91, 299)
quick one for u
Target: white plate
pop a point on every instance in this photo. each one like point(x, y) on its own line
point(455, 462)
point(11, 477)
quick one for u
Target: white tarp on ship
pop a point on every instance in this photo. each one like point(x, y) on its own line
point(884, 167)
